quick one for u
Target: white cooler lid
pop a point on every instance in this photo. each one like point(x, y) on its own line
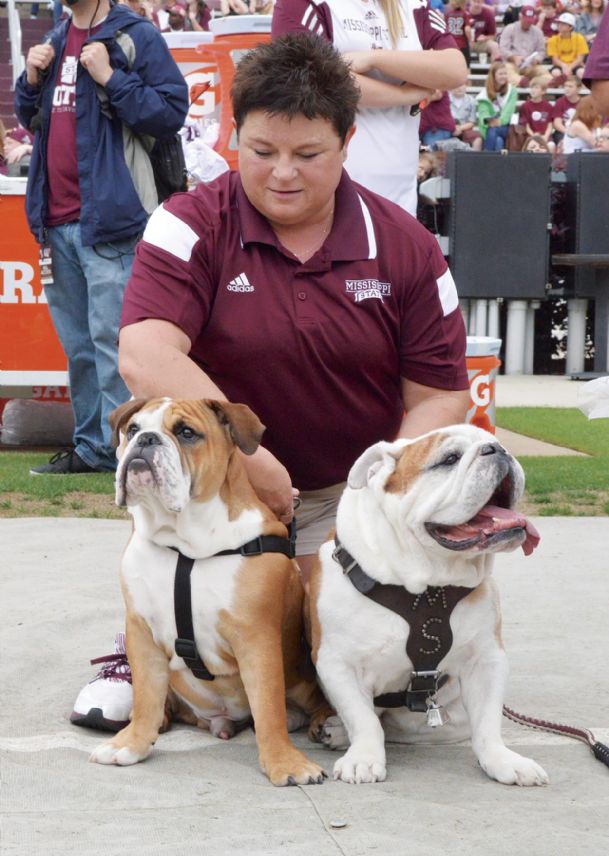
point(482, 346)
point(181, 39)
point(12, 186)
point(234, 24)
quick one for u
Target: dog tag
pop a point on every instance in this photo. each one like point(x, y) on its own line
point(436, 715)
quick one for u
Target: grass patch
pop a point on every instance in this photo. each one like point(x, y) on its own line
point(563, 485)
point(23, 495)
point(562, 426)
point(555, 485)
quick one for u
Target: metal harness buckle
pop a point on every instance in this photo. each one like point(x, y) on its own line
point(346, 568)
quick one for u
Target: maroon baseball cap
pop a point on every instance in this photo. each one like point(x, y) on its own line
point(528, 12)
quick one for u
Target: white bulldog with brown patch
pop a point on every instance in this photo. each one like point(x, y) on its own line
point(405, 618)
point(182, 478)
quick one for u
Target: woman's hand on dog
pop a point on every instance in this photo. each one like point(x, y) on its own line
point(272, 483)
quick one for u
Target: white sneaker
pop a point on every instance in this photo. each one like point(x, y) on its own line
point(106, 701)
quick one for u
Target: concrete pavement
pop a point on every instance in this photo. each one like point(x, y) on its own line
point(61, 605)
point(537, 391)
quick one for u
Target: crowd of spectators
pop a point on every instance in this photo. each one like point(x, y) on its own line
point(533, 97)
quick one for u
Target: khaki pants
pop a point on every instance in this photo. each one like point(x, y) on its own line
point(316, 517)
point(515, 74)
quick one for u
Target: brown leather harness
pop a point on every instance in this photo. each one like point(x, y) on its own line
point(430, 637)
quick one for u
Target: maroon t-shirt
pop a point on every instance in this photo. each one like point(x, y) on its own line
point(597, 65)
point(537, 115)
point(62, 166)
point(315, 349)
point(564, 109)
point(456, 22)
point(437, 116)
point(483, 24)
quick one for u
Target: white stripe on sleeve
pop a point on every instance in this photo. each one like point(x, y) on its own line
point(306, 18)
point(447, 291)
point(437, 17)
point(369, 229)
point(169, 233)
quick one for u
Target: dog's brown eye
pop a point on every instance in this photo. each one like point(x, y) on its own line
point(132, 430)
point(187, 434)
point(450, 460)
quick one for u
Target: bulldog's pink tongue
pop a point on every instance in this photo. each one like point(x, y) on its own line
point(504, 518)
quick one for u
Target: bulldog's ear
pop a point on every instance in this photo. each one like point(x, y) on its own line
point(369, 463)
point(243, 425)
point(122, 414)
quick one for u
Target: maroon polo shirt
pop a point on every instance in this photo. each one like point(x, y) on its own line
point(315, 349)
point(597, 65)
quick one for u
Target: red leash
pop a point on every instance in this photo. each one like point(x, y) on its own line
point(599, 750)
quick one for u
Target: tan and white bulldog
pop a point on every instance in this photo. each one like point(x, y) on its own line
point(425, 516)
point(181, 476)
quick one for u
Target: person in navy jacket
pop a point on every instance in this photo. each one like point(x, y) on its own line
point(96, 93)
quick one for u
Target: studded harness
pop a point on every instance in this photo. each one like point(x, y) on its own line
point(430, 637)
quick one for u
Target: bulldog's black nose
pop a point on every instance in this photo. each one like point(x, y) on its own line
point(149, 438)
point(492, 449)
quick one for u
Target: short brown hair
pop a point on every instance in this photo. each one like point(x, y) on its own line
point(296, 74)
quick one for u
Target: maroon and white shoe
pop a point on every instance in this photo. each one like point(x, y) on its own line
point(106, 701)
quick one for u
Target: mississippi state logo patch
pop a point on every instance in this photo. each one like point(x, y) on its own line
point(364, 289)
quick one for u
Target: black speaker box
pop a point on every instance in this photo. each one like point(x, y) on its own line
point(587, 213)
point(498, 224)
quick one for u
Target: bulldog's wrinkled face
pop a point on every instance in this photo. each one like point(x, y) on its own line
point(174, 451)
point(455, 488)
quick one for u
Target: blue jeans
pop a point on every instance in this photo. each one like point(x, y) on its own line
point(431, 137)
point(85, 302)
point(495, 138)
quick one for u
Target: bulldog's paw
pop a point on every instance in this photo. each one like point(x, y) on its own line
point(334, 734)
point(122, 756)
point(510, 768)
point(359, 766)
point(292, 768)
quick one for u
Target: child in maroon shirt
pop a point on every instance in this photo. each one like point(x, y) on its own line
point(458, 25)
point(565, 106)
point(536, 113)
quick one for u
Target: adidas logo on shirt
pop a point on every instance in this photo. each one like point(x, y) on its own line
point(240, 283)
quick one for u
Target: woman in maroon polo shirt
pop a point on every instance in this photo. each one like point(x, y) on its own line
point(286, 286)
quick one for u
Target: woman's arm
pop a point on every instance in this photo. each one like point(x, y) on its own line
point(578, 129)
point(444, 69)
point(427, 409)
point(378, 93)
point(154, 361)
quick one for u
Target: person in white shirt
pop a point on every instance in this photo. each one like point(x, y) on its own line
point(400, 53)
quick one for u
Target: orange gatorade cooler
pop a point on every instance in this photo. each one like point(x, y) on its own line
point(482, 358)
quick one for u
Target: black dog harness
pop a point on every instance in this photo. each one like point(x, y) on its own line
point(430, 637)
point(185, 645)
